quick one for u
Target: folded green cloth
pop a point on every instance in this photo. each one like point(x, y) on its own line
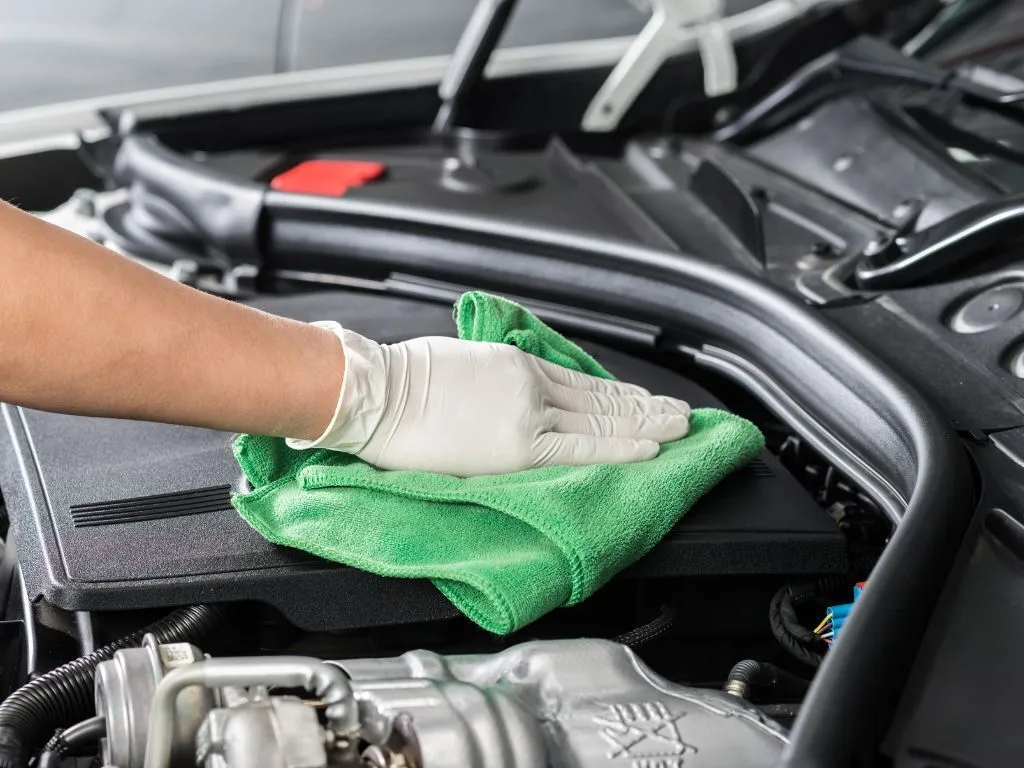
point(505, 549)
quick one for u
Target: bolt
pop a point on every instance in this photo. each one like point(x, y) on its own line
point(842, 163)
point(376, 756)
point(806, 262)
point(82, 200)
point(903, 210)
point(823, 250)
point(667, 146)
point(877, 245)
point(336, 741)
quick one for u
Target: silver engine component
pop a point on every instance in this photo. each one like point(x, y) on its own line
point(277, 731)
point(124, 695)
point(554, 703)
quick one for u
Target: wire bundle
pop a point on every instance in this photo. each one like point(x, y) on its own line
point(793, 636)
point(825, 630)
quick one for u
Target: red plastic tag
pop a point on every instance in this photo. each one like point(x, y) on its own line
point(327, 177)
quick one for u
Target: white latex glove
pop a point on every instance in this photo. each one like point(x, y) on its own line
point(473, 408)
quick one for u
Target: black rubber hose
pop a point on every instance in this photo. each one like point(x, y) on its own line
point(64, 696)
point(652, 630)
point(63, 743)
point(793, 636)
point(758, 674)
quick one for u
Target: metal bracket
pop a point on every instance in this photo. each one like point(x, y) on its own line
point(682, 26)
point(670, 20)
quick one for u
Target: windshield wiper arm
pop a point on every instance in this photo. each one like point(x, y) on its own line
point(907, 260)
point(862, 63)
point(655, 43)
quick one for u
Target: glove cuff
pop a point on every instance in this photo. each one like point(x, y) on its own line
point(362, 398)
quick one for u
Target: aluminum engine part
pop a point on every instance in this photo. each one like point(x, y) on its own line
point(566, 703)
point(268, 732)
point(124, 690)
point(550, 703)
point(327, 684)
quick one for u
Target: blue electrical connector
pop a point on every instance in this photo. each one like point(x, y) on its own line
point(828, 630)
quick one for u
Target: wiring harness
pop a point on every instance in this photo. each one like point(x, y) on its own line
point(836, 615)
point(792, 608)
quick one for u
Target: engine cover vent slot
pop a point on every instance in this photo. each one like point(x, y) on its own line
point(158, 507)
point(758, 468)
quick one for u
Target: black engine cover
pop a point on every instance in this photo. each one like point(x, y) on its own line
point(109, 514)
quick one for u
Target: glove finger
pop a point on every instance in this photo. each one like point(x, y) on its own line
point(581, 401)
point(555, 450)
point(559, 374)
point(662, 428)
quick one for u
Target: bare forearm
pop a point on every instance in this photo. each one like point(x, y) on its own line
point(84, 330)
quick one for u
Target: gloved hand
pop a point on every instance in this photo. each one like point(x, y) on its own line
point(474, 408)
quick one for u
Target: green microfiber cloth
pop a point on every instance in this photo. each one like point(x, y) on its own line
point(505, 549)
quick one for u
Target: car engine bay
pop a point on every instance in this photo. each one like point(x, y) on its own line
point(832, 257)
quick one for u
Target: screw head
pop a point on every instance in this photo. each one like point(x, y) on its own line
point(842, 163)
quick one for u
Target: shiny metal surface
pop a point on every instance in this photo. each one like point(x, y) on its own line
point(124, 689)
point(549, 703)
point(313, 675)
point(267, 732)
point(563, 702)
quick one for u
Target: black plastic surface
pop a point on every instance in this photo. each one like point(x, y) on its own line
point(967, 712)
point(170, 537)
point(847, 150)
point(191, 205)
point(966, 373)
point(183, 208)
point(960, 706)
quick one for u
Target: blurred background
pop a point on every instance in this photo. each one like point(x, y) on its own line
point(62, 50)
point(59, 50)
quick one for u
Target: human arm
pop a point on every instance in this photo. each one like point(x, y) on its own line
point(84, 330)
